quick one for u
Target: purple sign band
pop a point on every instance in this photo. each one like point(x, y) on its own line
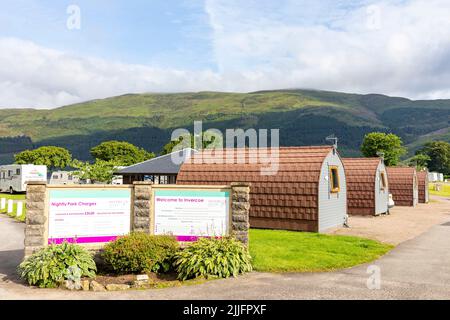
point(112, 238)
point(192, 238)
point(83, 240)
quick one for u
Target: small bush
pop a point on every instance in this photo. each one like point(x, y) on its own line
point(213, 257)
point(140, 252)
point(51, 265)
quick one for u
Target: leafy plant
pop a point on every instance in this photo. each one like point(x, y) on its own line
point(120, 152)
point(420, 161)
point(190, 141)
point(51, 265)
point(438, 153)
point(390, 145)
point(140, 252)
point(213, 257)
point(100, 171)
point(50, 156)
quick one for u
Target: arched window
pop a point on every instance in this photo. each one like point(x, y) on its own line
point(334, 179)
point(383, 180)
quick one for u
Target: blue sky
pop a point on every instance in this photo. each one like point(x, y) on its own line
point(395, 47)
point(167, 33)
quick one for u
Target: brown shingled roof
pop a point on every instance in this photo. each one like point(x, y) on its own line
point(401, 185)
point(360, 174)
point(286, 200)
point(422, 178)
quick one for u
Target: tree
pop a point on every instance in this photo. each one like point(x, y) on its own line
point(168, 148)
point(50, 156)
point(420, 161)
point(439, 154)
point(390, 145)
point(99, 172)
point(120, 152)
point(206, 141)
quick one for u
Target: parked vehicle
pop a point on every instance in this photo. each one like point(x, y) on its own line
point(64, 178)
point(117, 180)
point(14, 177)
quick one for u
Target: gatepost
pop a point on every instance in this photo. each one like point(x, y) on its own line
point(240, 207)
point(36, 219)
point(142, 206)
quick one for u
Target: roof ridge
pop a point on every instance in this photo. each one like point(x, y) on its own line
point(368, 158)
point(159, 157)
point(307, 147)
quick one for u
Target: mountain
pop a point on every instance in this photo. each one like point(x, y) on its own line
point(304, 117)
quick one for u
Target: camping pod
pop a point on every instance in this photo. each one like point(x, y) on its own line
point(305, 189)
point(367, 186)
point(422, 177)
point(403, 185)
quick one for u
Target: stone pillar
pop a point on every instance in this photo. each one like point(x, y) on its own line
point(36, 220)
point(142, 207)
point(240, 208)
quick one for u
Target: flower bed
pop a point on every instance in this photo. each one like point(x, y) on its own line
point(138, 261)
point(112, 282)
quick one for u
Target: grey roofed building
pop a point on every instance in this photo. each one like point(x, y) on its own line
point(160, 170)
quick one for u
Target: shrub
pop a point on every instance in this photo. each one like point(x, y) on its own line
point(213, 257)
point(51, 265)
point(140, 252)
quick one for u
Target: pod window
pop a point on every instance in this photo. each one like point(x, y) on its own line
point(334, 179)
point(383, 180)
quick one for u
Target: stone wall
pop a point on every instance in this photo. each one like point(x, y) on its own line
point(36, 220)
point(240, 208)
point(142, 207)
point(36, 230)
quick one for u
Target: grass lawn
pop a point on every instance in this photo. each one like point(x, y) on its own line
point(288, 251)
point(445, 190)
point(20, 196)
point(14, 213)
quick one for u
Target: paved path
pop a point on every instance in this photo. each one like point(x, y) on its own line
point(416, 269)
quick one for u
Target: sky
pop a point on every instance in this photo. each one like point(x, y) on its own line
point(55, 53)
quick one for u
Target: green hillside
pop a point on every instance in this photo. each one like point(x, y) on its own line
point(304, 117)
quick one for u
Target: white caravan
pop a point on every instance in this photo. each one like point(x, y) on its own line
point(14, 177)
point(64, 178)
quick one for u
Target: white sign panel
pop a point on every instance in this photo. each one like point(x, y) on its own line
point(190, 214)
point(88, 216)
point(34, 173)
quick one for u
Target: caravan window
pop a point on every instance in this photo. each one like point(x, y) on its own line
point(18, 172)
point(334, 179)
point(9, 173)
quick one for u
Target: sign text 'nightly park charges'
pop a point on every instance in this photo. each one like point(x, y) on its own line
point(190, 214)
point(88, 216)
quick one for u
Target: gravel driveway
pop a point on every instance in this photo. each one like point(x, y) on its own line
point(402, 224)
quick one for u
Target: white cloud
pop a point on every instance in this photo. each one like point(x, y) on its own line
point(391, 47)
point(34, 76)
